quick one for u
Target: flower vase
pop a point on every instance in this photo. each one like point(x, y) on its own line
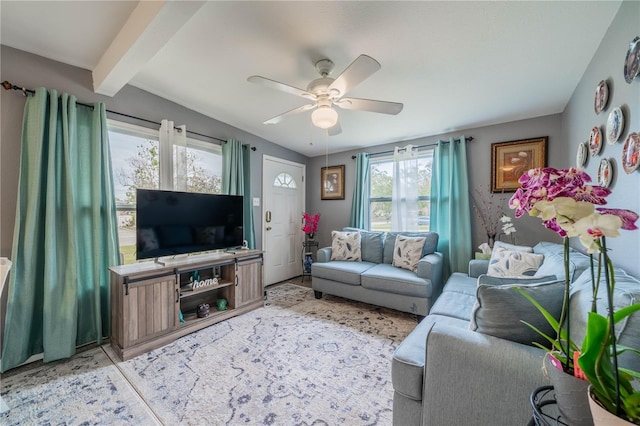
point(571, 394)
point(308, 260)
point(600, 415)
point(492, 239)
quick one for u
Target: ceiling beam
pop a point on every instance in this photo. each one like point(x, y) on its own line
point(149, 27)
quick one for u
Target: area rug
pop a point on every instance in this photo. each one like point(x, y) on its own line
point(86, 389)
point(297, 361)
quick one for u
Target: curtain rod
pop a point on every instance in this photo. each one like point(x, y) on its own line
point(9, 86)
point(375, 154)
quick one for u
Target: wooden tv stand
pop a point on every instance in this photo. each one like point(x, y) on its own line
point(147, 298)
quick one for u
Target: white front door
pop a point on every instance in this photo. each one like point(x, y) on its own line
point(283, 194)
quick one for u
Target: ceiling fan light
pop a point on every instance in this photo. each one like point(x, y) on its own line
point(324, 117)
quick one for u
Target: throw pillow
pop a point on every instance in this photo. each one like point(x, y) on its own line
point(500, 244)
point(407, 252)
point(513, 263)
point(499, 311)
point(147, 239)
point(345, 246)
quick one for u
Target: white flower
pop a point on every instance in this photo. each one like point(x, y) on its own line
point(563, 210)
point(507, 228)
point(592, 227)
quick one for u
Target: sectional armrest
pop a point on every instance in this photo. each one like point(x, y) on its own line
point(430, 267)
point(474, 378)
point(323, 255)
point(478, 267)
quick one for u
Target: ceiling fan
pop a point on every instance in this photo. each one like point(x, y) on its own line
point(325, 92)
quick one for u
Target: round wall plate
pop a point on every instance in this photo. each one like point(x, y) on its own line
point(605, 173)
point(595, 141)
point(602, 95)
point(632, 61)
point(581, 156)
point(631, 153)
point(615, 125)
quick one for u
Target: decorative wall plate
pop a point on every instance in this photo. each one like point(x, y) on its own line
point(631, 153)
point(632, 61)
point(615, 125)
point(605, 173)
point(602, 95)
point(595, 141)
point(583, 152)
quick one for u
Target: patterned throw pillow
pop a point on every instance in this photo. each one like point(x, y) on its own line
point(500, 244)
point(147, 239)
point(407, 252)
point(513, 263)
point(345, 246)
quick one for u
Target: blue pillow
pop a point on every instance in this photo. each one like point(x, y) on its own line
point(371, 244)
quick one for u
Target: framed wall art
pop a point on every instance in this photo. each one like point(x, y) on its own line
point(332, 183)
point(509, 160)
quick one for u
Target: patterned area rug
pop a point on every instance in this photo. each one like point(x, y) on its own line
point(87, 389)
point(298, 361)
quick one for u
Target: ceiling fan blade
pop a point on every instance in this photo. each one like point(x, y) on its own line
point(298, 110)
point(355, 73)
point(382, 107)
point(281, 86)
point(335, 129)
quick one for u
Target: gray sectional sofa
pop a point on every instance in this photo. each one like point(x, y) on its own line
point(443, 373)
point(374, 280)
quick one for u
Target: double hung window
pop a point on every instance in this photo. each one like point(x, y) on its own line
point(381, 171)
point(136, 163)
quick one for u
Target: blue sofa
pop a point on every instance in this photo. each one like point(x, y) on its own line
point(374, 280)
point(444, 373)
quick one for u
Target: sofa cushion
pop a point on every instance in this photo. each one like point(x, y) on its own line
point(500, 310)
point(554, 264)
point(345, 246)
point(371, 244)
point(513, 263)
point(407, 252)
point(340, 270)
point(394, 280)
point(430, 245)
point(454, 304)
point(407, 365)
point(625, 293)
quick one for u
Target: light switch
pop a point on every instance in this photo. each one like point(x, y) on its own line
point(256, 201)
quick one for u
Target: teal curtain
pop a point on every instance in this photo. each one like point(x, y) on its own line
point(236, 180)
point(450, 214)
point(65, 234)
point(360, 204)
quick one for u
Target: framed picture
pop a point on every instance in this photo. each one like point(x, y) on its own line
point(509, 160)
point(332, 183)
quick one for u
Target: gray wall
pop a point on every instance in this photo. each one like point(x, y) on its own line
point(335, 213)
point(565, 132)
point(25, 69)
point(579, 117)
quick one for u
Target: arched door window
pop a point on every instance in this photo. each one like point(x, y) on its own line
point(285, 180)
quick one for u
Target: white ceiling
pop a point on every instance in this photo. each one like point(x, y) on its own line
point(454, 65)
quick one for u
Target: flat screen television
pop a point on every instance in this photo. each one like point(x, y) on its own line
point(169, 223)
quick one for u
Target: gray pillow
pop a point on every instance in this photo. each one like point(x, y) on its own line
point(499, 310)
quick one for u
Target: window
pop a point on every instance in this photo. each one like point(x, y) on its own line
point(135, 162)
point(284, 180)
point(381, 183)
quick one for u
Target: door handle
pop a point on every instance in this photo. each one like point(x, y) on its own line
point(267, 216)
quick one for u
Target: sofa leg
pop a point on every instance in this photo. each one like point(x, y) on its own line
point(419, 318)
point(318, 294)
